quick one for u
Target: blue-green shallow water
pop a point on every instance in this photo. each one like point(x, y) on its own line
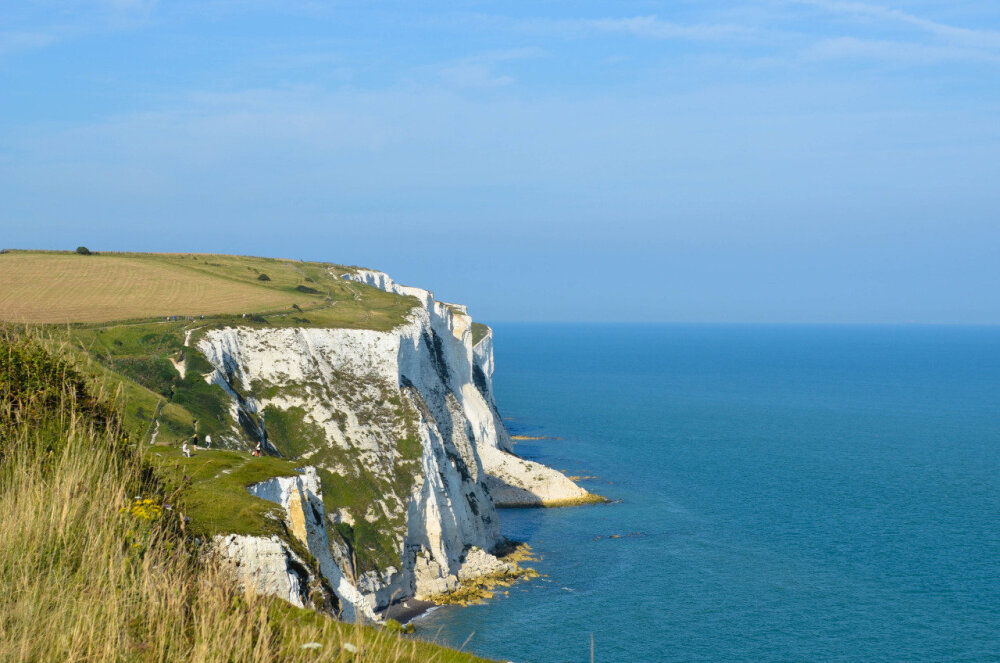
point(802, 494)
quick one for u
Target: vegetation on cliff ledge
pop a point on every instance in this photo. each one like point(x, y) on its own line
point(479, 332)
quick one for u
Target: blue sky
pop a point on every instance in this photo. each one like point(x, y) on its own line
point(785, 161)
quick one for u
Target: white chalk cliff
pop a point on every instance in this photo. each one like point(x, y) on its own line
point(513, 481)
point(404, 455)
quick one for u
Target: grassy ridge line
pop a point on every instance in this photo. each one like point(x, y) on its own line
point(62, 287)
point(94, 564)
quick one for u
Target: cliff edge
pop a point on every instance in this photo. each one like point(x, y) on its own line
point(405, 455)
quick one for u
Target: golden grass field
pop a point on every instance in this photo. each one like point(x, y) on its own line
point(38, 287)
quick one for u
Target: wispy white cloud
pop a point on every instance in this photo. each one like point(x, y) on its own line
point(648, 27)
point(129, 5)
point(61, 20)
point(85, 6)
point(11, 42)
point(474, 75)
point(973, 38)
point(930, 42)
point(509, 54)
point(895, 51)
point(645, 27)
point(477, 71)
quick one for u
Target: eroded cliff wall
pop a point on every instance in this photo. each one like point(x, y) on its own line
point(405, 456)
point(513, 481)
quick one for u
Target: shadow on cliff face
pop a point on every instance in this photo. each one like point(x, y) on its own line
point(506, 496)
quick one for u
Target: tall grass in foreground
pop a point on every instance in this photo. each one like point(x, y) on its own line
point(90, 571)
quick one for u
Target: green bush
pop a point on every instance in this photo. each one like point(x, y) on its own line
point(394, 626)
point(83, 250)
point(33, 384)
point(263, 277)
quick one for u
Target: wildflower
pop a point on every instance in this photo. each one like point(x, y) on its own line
point(147, 509)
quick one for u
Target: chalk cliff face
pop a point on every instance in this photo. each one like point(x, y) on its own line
point(268, 565)
point(513, 481)
point(405, 456)
point(305, 517)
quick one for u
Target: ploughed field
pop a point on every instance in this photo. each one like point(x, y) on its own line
point(42, 287)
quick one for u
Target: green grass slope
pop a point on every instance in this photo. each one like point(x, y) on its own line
point(96, 563)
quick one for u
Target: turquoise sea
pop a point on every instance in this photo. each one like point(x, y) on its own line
point(782, 493)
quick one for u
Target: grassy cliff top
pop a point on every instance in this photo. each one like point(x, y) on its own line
point(44, 287)
point(126, 315)
point(479, 332)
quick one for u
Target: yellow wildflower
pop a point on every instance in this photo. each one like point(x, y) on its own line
point(146, 509)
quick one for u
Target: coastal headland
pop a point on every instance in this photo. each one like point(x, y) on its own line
point(336, 433)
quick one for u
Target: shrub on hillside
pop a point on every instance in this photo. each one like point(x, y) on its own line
point(394, 626)
point(34, 384)
point(83, 250)
point(263, 277)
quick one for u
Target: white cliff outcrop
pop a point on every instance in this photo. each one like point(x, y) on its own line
point(405, 456)
point(268, 565)
point(513, 481)
point(305, 517)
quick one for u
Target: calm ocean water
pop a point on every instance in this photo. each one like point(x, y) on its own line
point(796, 494)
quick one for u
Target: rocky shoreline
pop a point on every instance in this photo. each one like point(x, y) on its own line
point(481, 577)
